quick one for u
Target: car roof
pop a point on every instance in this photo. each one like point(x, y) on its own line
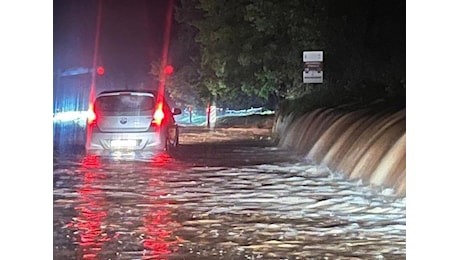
point(127, 91)
point(130, 91)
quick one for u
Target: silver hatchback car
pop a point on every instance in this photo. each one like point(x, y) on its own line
point(131, 120)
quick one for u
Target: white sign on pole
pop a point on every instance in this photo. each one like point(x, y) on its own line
point(313, 67)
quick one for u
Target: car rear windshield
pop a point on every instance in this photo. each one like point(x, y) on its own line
point(124, 103)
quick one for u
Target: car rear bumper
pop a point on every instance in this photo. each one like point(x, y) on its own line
point(123, 141)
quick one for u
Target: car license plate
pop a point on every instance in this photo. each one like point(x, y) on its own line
point(123, 143)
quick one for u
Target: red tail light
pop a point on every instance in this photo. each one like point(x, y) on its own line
point(158, 116)
point(91, 116)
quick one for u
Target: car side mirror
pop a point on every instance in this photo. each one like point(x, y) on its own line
point(177, 111)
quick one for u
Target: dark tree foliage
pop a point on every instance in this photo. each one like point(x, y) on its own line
point(246, 51)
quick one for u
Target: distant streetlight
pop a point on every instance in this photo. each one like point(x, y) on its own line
point(100, 70)
point(168, 70)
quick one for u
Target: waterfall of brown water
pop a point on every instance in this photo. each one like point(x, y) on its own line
point(289, 140)
point(332, 135)
point(365, 144)
point(392, 167)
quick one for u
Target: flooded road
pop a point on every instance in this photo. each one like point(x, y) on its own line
point(223, 194)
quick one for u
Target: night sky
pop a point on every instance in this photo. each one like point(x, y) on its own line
point(131, 38)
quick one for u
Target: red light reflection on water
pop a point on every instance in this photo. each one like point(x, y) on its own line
point(91, 215)
point(159, 240)
point(158, 225)
point(91, 162)
point(161, 160)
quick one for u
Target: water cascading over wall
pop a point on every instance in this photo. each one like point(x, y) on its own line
point(364, 143)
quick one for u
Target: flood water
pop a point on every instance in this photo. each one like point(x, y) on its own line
point(223, 194)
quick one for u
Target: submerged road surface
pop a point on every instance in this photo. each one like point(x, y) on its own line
point(224, 194)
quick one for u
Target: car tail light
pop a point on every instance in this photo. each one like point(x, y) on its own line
point(91, 116)
point(158, 116)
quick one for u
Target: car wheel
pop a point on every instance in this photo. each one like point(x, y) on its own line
point(167, 145)
point(176, 141)
point(176, 138)
point(172, 142)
